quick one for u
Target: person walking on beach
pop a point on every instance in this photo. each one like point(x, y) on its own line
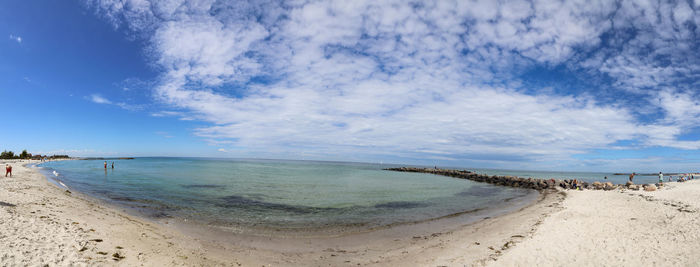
point(8, 170)
point(661, 178)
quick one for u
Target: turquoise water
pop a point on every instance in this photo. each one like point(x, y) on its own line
point(273, 194)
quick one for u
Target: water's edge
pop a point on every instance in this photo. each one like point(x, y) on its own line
point(462, 217)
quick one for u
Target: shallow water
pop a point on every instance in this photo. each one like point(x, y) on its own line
point(283, 195)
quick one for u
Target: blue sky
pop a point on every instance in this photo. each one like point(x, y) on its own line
point(546, 85)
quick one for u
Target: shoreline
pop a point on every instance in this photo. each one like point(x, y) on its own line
point(72, 224)
point(43, 224)
point(162, 212)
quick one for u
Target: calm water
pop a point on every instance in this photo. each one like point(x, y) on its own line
point(279, 194)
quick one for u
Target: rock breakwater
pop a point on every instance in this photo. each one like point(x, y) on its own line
point(515, 181)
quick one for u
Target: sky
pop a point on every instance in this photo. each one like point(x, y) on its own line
point(538, 85)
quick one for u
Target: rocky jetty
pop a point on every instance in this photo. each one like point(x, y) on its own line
point(514, 181)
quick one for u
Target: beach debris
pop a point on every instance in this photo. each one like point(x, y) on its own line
point(96, 240)
point(83, 246)
point(102, 253)
point(116, 256)
point(507, 245)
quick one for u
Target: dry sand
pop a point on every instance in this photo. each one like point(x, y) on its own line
point(42, 224)
point(617, 228)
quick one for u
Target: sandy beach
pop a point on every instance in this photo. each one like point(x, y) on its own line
point(41, 223)
point(617, 228)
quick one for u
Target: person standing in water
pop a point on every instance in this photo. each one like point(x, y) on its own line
point(632, 176)
point(112, 164)
point(661, 178)
point(105, 164)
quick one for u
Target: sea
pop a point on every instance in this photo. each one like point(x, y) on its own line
point(253, 195)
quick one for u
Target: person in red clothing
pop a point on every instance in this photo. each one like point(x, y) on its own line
point(8, 170)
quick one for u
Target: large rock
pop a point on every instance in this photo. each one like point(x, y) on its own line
point(649, 187)
point(633, 187)
point(609, 186)
point(629, 183)
point(598, 185)
point(550, 183)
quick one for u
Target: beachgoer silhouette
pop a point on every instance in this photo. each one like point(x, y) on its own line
point(105, 165)
point(8, 170)
point(112, 164)
point(632, 176)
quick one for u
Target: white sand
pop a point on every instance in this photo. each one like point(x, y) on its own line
point(617, 228)
point(42, 224)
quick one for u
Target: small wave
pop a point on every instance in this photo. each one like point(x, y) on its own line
point(55, 173)
point(203, 186)
point(400, 205)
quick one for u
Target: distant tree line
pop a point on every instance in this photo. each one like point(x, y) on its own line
point(24, 155)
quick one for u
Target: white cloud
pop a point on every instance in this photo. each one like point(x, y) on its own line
point(16, 38)
point(398, 78)
point(99, 99)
